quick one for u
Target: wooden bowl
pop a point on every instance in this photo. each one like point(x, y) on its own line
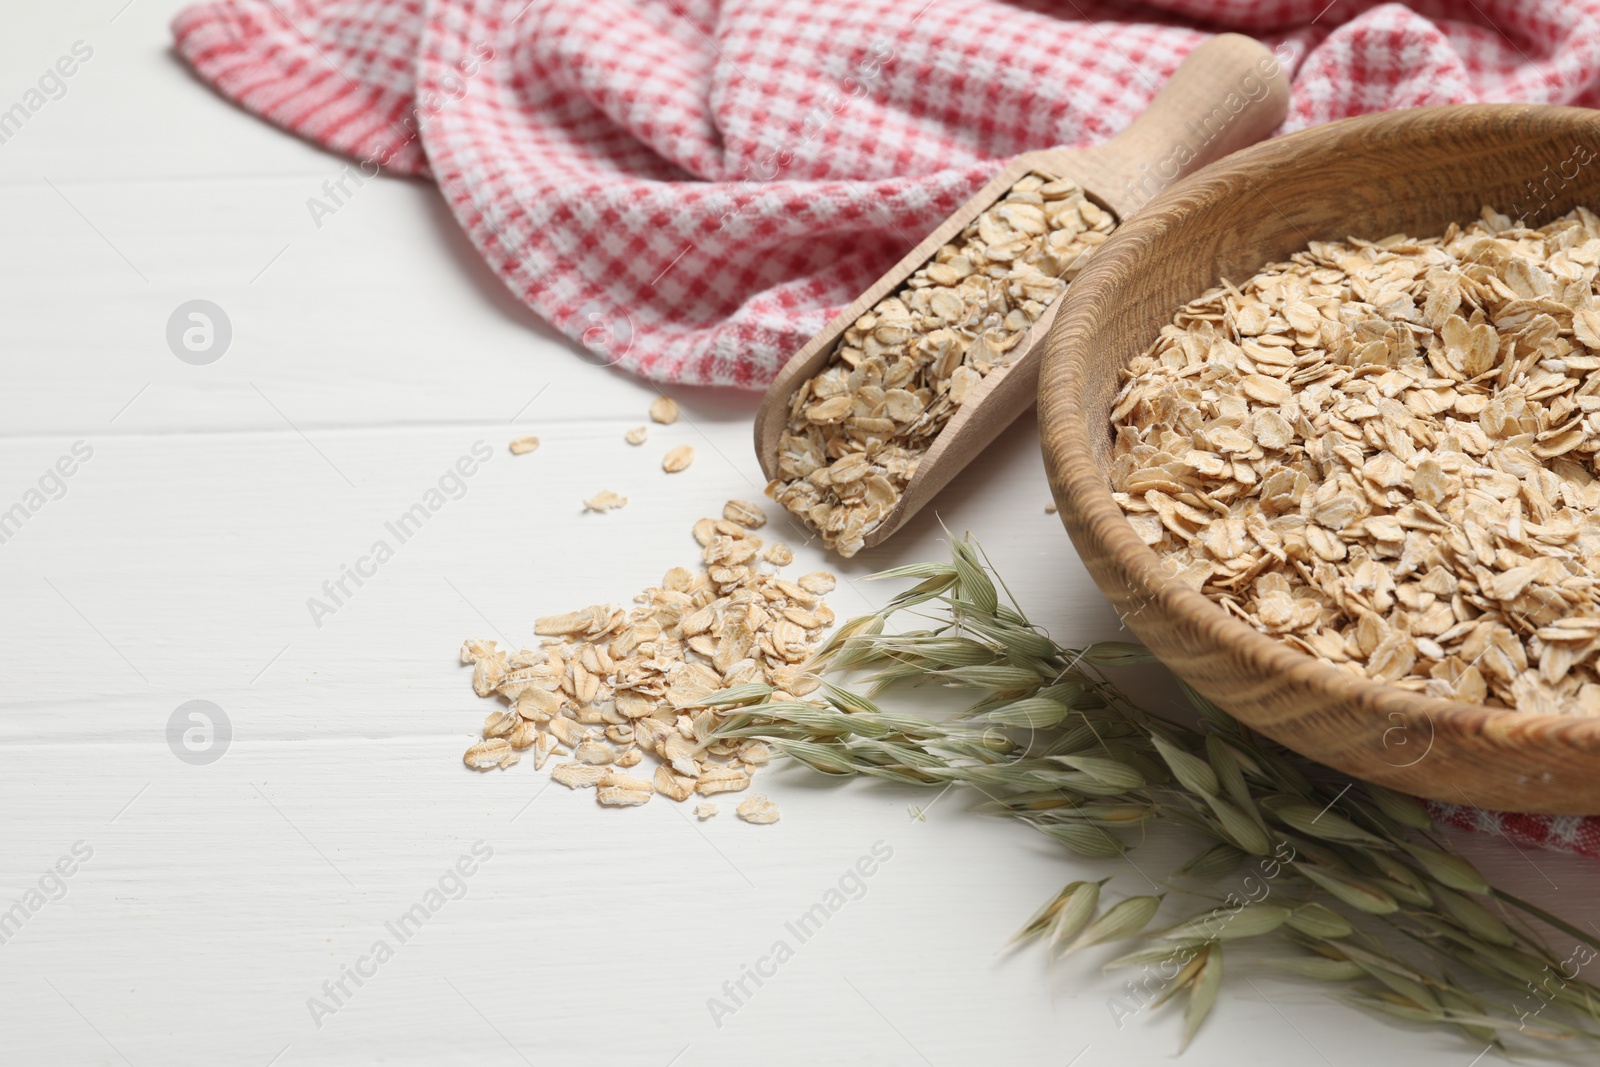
point(1412, 171)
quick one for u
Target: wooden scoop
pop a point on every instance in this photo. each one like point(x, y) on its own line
point(1229, 92)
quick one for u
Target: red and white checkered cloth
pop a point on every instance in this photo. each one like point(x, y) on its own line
point(691, 188)
point(1562, 833)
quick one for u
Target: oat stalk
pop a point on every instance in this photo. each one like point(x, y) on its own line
point(1340, 871)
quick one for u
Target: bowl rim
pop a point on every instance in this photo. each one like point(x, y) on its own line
point(1083, 493)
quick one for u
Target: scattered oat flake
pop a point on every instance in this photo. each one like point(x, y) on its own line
point(578, 775)
point(524, 445)
point(612, 689)
point(619, 790)
point(754, 753)
point(616, 797)
point(572, 622)
point(721, 780)
point(664, 410)
point(744, 513)
point(757, 809)
point(568, 731)
point(1050, 508)
point(818, 582)
point(605, 500)
point(595, 752)
point(637, 436)
point(487, 754)
point(678, 459)
point(704, 810)
point(675, 786)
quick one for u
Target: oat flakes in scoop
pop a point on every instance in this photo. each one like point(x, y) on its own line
point(858, 429)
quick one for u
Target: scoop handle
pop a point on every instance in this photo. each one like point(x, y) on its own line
point(1229, 92)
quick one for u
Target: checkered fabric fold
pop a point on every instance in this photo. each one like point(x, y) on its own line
point(691, 189)
point(1561, 833)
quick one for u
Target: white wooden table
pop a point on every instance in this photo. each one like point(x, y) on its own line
point(209, 903)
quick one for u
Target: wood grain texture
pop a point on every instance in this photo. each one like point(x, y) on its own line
point(1229, 92)
point(1412, 171)
point(216, 902)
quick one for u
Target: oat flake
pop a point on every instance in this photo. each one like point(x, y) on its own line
point(1383, 453)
